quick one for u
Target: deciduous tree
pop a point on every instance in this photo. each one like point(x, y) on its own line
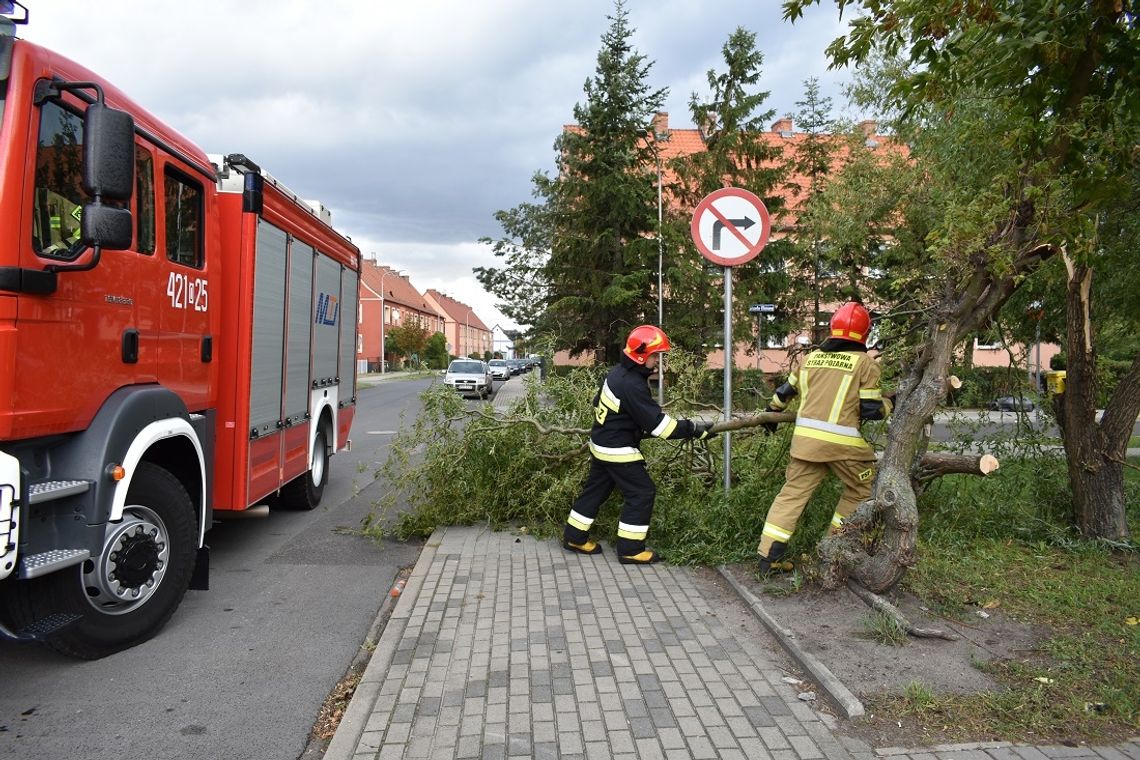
point(1023, 117)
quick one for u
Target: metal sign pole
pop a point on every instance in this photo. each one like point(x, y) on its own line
point(730, 227)
point(727, 375)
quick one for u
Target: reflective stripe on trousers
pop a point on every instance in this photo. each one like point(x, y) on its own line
point(801, 479)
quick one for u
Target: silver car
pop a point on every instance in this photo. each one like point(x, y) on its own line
point(500, 369)
point(469, 377)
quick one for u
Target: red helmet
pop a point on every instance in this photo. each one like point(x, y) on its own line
point(852, 322)
point(645, 340)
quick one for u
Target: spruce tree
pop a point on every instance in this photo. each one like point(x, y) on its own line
point(581, 263)
point(737, 154)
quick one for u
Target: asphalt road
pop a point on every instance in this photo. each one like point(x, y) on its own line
point(241, 671)
point(972, 425)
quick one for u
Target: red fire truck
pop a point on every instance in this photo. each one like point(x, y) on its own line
point(177, 340)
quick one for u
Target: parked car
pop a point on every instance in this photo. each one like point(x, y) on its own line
point(1012, 404)
point(500, 369)
point(469, 377)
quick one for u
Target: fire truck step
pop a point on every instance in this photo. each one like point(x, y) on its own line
point(41, 629)
point(35, 565)
point(56, 489)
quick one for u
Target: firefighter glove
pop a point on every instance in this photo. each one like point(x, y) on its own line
point(769, 427)
point(702, 430)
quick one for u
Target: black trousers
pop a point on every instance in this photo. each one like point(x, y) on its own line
point(638, 491)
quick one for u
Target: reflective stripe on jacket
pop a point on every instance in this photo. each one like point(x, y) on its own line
point(836, 389)
point(624, 412)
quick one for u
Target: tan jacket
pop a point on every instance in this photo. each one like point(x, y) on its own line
point(833, 387)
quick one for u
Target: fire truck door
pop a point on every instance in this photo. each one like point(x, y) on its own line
point(180, 279)
point(89, 323)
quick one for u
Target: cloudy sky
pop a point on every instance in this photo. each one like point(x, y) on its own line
point(414, 121)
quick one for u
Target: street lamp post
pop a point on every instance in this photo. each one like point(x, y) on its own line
point(660, 290)
point(659, 137)
point(383, 316)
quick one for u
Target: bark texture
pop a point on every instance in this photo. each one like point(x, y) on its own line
point(1094, 450)
point(877, 544)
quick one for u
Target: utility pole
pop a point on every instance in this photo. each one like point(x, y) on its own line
point(659, 137)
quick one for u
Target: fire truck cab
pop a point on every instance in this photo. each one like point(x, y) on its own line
point(177, 339)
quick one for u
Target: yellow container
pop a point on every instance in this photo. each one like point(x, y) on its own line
point(1055, 382)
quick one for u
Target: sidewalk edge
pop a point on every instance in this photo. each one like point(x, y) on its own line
point(344, 742)
point(847, 703)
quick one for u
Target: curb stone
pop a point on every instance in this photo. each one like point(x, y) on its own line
point(839, 695)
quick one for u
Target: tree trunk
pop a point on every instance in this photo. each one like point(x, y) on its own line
point(1095, 451)
point(893, 499)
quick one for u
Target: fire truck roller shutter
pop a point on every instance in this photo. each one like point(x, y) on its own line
point(299, 313)
point(141, 562)
point(326, 322)
point(266, 375)
point(350, 290)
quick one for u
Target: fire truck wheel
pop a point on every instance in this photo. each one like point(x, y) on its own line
point(305, 492)
point(129, 591)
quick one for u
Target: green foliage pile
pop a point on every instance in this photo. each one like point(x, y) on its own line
point(458, 466)
point(455, 466)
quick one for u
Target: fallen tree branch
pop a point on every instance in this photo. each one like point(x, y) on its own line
point(754, 420)
point(936, 464)
point(881, 605)
point(931, 465)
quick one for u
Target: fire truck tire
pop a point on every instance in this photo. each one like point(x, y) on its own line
point(305, 492)
point(123, 602)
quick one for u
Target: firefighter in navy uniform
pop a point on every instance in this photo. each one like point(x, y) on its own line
point(839, 385)
point(624, 411)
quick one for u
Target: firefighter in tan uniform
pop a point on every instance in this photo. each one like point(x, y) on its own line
point(839, 388)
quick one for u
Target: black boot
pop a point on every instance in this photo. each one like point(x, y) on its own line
point(646, 557)
point(772, 561)
point(587, 547)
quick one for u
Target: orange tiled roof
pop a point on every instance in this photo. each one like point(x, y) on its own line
point(686, 142)
point(398, 289)
point(458, 311)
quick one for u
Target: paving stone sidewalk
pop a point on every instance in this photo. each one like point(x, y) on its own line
point(506, 646)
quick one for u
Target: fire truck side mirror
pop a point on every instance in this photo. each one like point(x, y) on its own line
point(106, 226)
point(109, 175)
point(108, 153)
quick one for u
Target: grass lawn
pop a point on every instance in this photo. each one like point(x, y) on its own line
point(1084, 681)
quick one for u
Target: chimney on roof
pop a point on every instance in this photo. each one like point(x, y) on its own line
point(868, 127)
point(783, 127)
point(661, 122)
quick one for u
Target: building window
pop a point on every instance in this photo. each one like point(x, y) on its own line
point(989, 339)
